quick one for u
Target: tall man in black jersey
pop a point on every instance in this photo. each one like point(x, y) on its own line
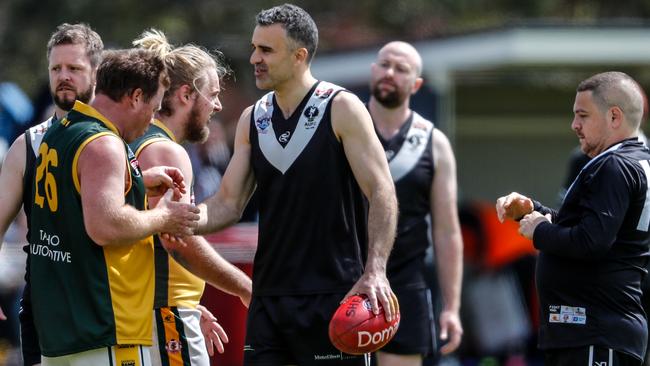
point(311, 151)
point(594, 250)
point(423, 168)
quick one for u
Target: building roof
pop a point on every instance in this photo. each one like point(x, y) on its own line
point(514, 46)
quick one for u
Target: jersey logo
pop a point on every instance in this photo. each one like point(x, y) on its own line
point(173, 346)
point(41, 129)
point(419, 125)
point(408, 155)
point(37, 132)
point(133, 161)
point(284, 137)
point(567, 314)
point(324, 93)
point(283, 156)
point(135, 165)
point(263, 123)
point(415, 140)
point(311, 112)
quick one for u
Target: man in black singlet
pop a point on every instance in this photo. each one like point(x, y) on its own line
point(309, 149)
point(423, 168)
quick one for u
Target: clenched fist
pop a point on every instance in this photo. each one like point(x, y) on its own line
point(513, 206)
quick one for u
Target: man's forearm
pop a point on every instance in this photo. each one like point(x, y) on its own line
point(382, 223)
point(216, 216)
point(203, 261)
point(125, 226)
point(449, 260)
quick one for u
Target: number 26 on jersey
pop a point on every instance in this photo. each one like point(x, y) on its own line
point(49, 158)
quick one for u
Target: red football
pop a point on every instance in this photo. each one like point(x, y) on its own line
point(355, 330)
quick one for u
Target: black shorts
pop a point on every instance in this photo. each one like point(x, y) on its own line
point(283, 330)
point(28, 337)
point(416, 332)
point(588, 355)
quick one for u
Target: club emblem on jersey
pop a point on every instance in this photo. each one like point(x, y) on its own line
point(136, 166)
point(263, 124)
point(311, 112)
point(173, 346)
point(168, 318)
point(40, 130)
point(415, 141)
point(284, 138)
point(133, 161)
point(419, 125)
point(324, 93)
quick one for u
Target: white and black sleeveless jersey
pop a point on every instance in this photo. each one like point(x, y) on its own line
point(28, 336)
point(33, 138)
point(313, 219)
point(411, 165)
point(593, 257)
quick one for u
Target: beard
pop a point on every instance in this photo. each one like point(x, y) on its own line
point(196, 130)
point(389, 99)
point(67, 104)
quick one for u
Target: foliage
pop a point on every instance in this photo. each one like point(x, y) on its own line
point(25, 25)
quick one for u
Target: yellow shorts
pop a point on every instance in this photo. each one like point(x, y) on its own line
point(120, 355)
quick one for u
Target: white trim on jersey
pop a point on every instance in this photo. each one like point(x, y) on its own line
point(283, 157)
point(416, 141)
point(644, 220)
point(37, 132)
point(615, 147)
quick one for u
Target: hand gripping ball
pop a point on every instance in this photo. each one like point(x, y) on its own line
point(355, 330)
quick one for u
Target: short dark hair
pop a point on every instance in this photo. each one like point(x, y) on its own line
point(123, 71)
point(78, 34)
point(298, 24)
point(615, 88)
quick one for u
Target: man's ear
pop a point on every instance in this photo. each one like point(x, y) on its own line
point(417, 85)
point(136, 96)
point(184, 94)
point(301, 54)
point(615, 116)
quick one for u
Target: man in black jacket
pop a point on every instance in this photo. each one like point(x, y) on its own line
point(594, 250)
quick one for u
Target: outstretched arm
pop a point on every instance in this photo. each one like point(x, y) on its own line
point(237, 185)
point(197, 256)
point(200, 258)
point(107, 217)
point(447, 240)
point(353, 126)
